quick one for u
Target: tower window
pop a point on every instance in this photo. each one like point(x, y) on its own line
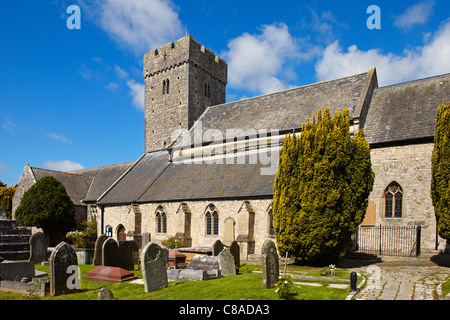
point(207, 90)
point(165, 87)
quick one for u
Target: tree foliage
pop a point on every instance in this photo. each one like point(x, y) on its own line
point(440, 171)
point(321, 188)
point(6, 195)
point(47, 205)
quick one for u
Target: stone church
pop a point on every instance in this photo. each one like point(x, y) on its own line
point(209, 166)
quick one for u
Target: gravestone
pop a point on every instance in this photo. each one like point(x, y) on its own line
point(153, 267)
point(270, 264)
point(226, 263)
point(204, 262)
point(110, 253)
point(127, 250)
point(63, 264)
point(38, 247)
point(235, 250)
point(98, 250)
point(105, 294)
point(217, 247)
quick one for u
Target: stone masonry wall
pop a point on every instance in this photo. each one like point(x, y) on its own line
point(237, 210)
point(410, 167)
point(197, 79)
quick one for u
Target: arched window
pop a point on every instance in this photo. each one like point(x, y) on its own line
point(212, 220)
point(393, 201)
point(108, 231)
point(271, 228)
point(161, 220)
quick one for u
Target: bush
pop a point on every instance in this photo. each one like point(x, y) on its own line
point(285, 288)
point(173, 242)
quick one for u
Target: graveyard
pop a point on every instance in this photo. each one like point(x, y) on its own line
point(118, 271)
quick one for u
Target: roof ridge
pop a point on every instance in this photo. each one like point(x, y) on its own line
point(290, 89)
point(64, 172)
point(415, 80)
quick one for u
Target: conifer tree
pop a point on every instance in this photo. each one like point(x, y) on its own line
point(321, 188)
point(440, 168)
point(47, 205)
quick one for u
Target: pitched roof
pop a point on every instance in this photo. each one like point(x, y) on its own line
point(138, 179)
point(284, 110)
point(406, 111)
point(102, 178)
point(76, 185)
point(195, 181)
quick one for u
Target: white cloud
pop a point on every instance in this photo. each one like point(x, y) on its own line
point(122, 74)
point(428, 60)
point(415, 14)
point(7, 124)
point(63, 165)
point(3, 166)
point(255, 62)
point(140, 25)
point(137, 91)
point(59, 137)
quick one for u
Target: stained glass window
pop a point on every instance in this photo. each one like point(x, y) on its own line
point(393, 201)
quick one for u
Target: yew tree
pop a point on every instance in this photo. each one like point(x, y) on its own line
point(321, 188)
point(440, 171)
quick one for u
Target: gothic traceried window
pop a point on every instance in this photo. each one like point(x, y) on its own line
point(393, 201)
point(161, 220)
point(212, 220)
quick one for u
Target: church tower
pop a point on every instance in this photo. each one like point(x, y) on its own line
point(181, 81)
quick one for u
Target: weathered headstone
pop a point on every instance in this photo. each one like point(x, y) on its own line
point(38, 247)
point(63, 270)
point(105, 294)
point(110, 253)
point(98, 249)
point(126, 252)
point(270, 264)
point(226, 263)
point(153, 267)
point(235, 250)
point(204, 262)
point(353, 281)
point(217, 247)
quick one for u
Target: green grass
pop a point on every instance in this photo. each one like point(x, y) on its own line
point(446, 288)
point(245, 285)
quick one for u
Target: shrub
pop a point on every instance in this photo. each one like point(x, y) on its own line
point(285, 288)
point(173, 242)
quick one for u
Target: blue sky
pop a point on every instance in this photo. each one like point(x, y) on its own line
point(73, 98)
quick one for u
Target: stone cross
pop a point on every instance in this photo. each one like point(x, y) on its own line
point(270, 264)
point(63, 270)
point(153, 267)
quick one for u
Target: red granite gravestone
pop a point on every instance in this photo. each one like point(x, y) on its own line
point(109, 274)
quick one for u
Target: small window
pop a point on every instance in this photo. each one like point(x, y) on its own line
point(108, 231)
point(271, 228)
point(393, 201)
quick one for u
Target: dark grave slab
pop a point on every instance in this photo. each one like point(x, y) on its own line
point(109, 274)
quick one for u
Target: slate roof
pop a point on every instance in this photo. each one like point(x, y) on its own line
point(102, 178)
point(283, 110)
point(76, 185)
point(138, 179)
point(406, 111)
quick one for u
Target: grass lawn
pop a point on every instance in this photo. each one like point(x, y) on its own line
point(246, 285)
